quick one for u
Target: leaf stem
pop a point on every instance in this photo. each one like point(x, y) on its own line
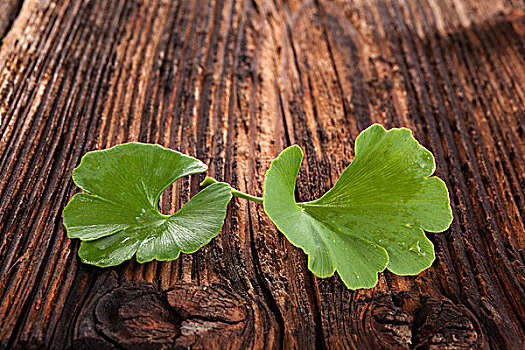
point(209, 180)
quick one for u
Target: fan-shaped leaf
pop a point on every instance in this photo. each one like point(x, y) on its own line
point(373, 217)
point(118, 215)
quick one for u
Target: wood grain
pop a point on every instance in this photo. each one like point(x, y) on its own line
point(233, 83)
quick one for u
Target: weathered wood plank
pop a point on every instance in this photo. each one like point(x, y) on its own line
point(8, 12)
point(233, 83)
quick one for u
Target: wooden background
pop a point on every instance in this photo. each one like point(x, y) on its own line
point(233, 83)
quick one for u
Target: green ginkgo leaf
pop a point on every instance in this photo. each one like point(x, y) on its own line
point(373, 217)
point(118, 215)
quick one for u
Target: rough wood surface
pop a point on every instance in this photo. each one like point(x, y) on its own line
point(233, 83)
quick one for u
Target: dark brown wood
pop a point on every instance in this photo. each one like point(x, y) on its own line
point(233, 83)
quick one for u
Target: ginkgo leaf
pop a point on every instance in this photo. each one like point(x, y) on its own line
point(118, 215)
point(373, 217)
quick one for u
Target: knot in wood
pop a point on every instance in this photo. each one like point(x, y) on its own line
point(440, 324)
